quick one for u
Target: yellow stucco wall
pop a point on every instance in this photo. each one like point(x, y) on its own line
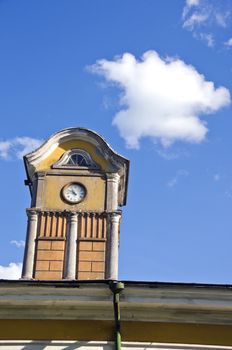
point(94, 200)
point(51, 197)
point(62, 148)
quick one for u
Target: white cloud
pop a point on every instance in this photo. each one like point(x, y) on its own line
point(18, 244)
point(180, 173)
point(4, 149)
point(229, 42)
point(222, 18)
point(27, 144)
point(216, 177)
point(18, 146)
point(190, 3)
point(11, 272)
point(161, 98)
point(202, 17)
point(171, 153)
point(195, 19)
point(228, 193)
point(167, 155)
point(196, 13)
point(208, 38)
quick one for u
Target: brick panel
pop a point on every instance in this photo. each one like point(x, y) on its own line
point(84, 266)
point(99, 246)
point(56, 266)
point(49, 258)
point(48, 275)
point(85, 245)
point(50, 248)
point(42, 265)
point(91, 260)
point(91, 256)
point(43, 245)
point(50, 255)
point(90, 275)
point(58, 245)
point(98, 266)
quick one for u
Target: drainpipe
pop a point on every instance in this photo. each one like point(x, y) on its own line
point(116, 288)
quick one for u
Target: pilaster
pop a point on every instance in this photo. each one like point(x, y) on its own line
point(71, 249)
point(38, 201)
point(112, 180)
point(29, 253)
point(113, 236)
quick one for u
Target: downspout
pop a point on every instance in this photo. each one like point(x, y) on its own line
point(116, 288)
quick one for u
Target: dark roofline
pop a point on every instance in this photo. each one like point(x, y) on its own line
point(77, 284)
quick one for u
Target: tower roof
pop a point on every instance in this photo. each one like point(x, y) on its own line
point(114, 163)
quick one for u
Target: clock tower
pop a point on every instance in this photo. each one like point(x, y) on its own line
point(77, 184)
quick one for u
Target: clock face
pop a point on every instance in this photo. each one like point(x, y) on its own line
point(74, 193)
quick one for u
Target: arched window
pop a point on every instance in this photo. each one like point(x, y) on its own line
point(75, 158)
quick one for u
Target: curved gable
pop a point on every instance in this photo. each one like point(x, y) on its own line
point(105, 158)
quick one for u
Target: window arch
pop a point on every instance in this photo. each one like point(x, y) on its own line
point(75, 158)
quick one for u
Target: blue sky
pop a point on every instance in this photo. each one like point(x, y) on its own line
point(152, 77)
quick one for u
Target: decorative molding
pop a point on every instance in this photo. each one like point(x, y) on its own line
point(114, 177)
point(70, 134)
point(67, 211)
point(32, 213)
point(115, 217)
point(62, 162)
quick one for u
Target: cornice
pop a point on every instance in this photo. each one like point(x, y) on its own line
point(140, 303)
